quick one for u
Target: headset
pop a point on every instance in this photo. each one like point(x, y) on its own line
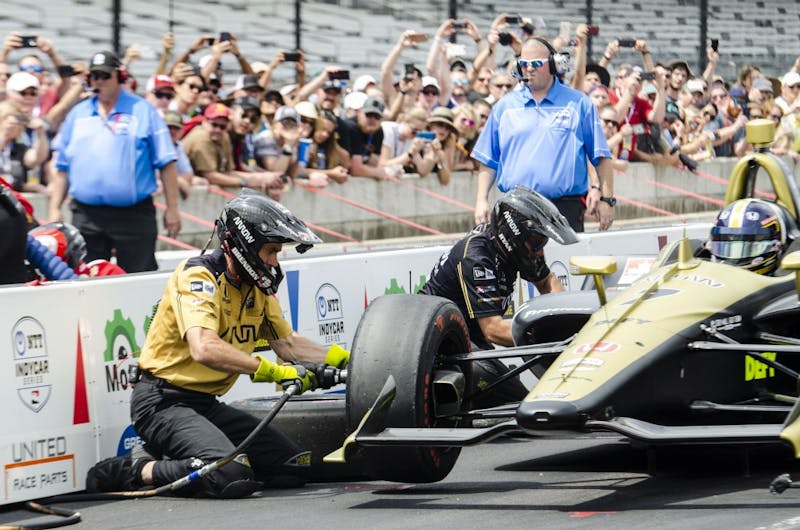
point(551, 61)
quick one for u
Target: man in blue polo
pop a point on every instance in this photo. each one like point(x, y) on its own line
point(108, 151)
point(541, 135)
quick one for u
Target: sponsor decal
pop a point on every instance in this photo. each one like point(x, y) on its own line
point(634, 269)
point(482, 273)
point(658, 293)
point(632, 320)
point(243, 230)
point(38, 468)
point(121, 352)
point(199, 286)
point(395, 287)
point(755, 369)
point(31, 364)
point(551, 395)
point(700, 280)
point(502, 237)
point(597, 347)
point(561, 272)
point(128, 440)
point(722, 324)
point(329, 315)
point(511, 224)
point(582, 365)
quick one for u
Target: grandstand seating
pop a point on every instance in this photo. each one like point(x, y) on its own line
point(358, 33)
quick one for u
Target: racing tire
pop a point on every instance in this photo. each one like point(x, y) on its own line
point(406, 336)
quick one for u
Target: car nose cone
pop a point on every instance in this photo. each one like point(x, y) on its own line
point(549, 415)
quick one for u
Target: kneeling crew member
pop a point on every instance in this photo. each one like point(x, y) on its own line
point(214, 309)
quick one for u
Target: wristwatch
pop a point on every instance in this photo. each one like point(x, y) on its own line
point(611, 201)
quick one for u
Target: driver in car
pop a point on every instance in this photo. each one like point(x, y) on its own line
point(478, 273)
point(749, 233)
point(214, 309)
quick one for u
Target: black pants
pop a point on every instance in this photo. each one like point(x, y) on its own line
point(573, 208)
point(191, 429)
point(130, 230)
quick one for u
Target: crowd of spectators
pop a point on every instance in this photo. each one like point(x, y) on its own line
point(268, 124)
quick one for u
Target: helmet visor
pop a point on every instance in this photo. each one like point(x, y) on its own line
point(742, 249)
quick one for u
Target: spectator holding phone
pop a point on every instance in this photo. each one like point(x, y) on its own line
point(362, 140)
point(402, 147)
point(276, 147)
point(439, 153)
point(328, 87)
point(555, 126)
point(728, 124)
point(638, 113)
point(32, 64)
point(325, 155)
point(188, 84)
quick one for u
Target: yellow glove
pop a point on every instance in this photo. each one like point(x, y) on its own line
point(337, 356)
point(284, 374)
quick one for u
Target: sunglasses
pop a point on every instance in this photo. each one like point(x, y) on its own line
point(374, 115)
point(430, 92)
point(194, 88)
point(252, 117)
point(615, 123)
point(164, 95)
point(218, 125)
point(462, 81)
point(289, 123)
point(533, 63)
point(507, 86)
point(30, 92)
point(31, 68)
point(467, 121)
point(99, 75)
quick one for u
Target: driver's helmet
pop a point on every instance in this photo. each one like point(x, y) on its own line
point(63, 240)
point(522, 221)
point(247, 222)
point(749, 233)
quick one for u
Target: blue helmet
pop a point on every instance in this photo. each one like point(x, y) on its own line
point(749, 233)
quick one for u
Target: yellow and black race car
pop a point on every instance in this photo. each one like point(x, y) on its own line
point(693, 352)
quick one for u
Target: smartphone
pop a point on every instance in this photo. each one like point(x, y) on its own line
point(593, 30)
point(715, 45)
point(340, 74)
point(29, 41)
point(66, 70)
point(513, 19)
point(291, 57)
point(210, 41)
point(409, 71)
point(647, 76)
point(459, 25)
point(504, 38)
point(428, 136)
point(418, 37)
point(626, 43)
point(224, 36)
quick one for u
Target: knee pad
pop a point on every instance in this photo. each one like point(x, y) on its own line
point(233, 480)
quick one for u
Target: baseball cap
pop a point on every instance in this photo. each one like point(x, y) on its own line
point(247, 81)
point(763, 84)
point(274, 94)
point(458, 64)
point(355, 100)
point(246, 102)
point(160, 81)
point(373, 104)
point(104, 61)
point(258, 67)
point(738, 92)
point(695, 85)
point(601, 72)
point(286, 113)
point(306, 109)
point(363, 81)
point(20, 81)
point(680, 64)
point(217, 110)
point(790, 78)
point(173, 119)
point(429, 80)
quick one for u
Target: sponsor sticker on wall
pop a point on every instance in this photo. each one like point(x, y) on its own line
point(31, 365)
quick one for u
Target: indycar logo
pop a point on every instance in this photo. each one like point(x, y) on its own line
point(597, 347)
point(31, 364)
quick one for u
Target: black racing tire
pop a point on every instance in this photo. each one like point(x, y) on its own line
point(407, 336)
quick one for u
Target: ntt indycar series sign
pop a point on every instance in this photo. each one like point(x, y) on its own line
point(330, 315)
point(31, 365)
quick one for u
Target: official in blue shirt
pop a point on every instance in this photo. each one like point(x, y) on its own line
point(541, 136)
point(108, 151)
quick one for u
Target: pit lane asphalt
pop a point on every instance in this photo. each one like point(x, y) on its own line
point(554, 482)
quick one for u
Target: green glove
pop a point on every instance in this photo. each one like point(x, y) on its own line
point(284, 374)
point(337, 356)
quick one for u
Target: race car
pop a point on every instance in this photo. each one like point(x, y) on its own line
point(693, 352)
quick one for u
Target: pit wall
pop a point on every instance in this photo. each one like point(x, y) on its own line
point(447, 208)
point(69, 346)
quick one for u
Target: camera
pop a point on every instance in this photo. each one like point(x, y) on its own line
point(626, 43)
point(428, 136)
point(65, 70)
point(409, 71)
point(513, 19)
point(291, 57)
point(648, 76)
point(715, 45)
point(29, 41)
point(504, 38)
point(690, 164)
point(210, 41)
point(339, 74)
point(459, 25)
point(592, 30)
point(224, 36)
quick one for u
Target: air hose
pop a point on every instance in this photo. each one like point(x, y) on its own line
point(331, 376)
